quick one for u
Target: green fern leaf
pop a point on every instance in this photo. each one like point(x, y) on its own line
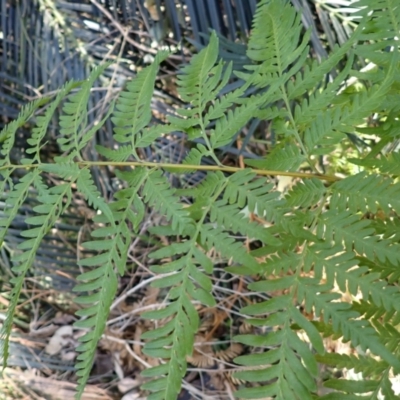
point(118, 155)
point(8, 133)
point(194, 157)
point(367, 365)
point(275, 35)
point(42, 122)
point(389, 165)
point(352, 386)
point(54, 201)
point(286, 157)
point(113, 241)
point(68, 171)
point(389, 334)
point(14, 200)
point(95, 318)
point(87, 187)
point(311, 106)
point(159, 195)
point(347, 228)
point(232, 219)
point(363, 192)
point(305, 81)
point(256, 194)
point(175, 341)
point(229, 124)
point(343, 319)
point(381, 33)
point(321, 136)
point(149, 135)
point(282, 262)
point(215, 237)
point(318, 241)
point(198, 84)
point(288, 378)
point(225, 102)
point(74, 118)
point(132, 110)
point(306, 194)
point(334, 266)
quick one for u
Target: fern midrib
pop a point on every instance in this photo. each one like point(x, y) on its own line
point(156, 165)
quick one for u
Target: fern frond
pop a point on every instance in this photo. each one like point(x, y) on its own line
point(387, 389)
point(343, 319)
point(215, 237)
point(244, 189)
point(198, 84)
point(8, 133)
point(364, 192)
point(122, 153)
point(347, 228)
point(319, 241)
point(285, 157)
point(389, 335)
point(73, 121)
point(225, 102)
point(89, 134)
point(233, 121)
point(367, 365)
point(42, 122)
point(274, 43)
point(132, 110)
point(321, 99)
point(321, 136)
point(194, 156)
point(387, 270)
point(174, 340)
point(364, 103)
point(371, 311)
point(329, 129)
point(158, 194)
point(376, 389)
point(351, 387)
point(14, 200)
point(231, 218)
point(103, 280)
point(283, 262)
point(68, 171)
point(206, 188)
point(344, 269)
point(99, 284)
point(382, 31)
point(305, 80)
point(288, 370)
point(148, 135)
point(306, 193)
point(389, 165)
point(53, 203)
point(87, 187)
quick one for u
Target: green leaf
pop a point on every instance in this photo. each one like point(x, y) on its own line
point(284, 158)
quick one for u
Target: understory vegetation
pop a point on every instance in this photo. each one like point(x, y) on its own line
point(309, 232)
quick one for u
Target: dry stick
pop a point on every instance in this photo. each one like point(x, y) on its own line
point(125, 32)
